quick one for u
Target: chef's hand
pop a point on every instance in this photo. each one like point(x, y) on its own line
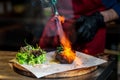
point(88, 26)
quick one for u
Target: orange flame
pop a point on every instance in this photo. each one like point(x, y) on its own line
point(61, 19)
point(68, 53)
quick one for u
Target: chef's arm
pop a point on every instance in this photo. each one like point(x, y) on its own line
point(89, 25)
point(109, 15)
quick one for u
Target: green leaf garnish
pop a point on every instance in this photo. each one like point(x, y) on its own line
point(31, 55)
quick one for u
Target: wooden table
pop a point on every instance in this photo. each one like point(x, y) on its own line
point(102, 73)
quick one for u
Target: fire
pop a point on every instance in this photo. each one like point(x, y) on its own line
point(68, 53)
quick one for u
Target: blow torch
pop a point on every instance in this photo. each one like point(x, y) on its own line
point(58, 19)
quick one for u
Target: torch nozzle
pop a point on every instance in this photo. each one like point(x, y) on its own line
point(53, 2)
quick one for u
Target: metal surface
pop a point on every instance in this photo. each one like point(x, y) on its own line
point(53, 2)
point(6, 73)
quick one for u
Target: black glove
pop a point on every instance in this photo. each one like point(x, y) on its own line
point(87, 26)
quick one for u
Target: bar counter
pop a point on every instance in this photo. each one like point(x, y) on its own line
point(107, 71)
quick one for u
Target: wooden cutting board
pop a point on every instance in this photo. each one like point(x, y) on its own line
point(72, 73)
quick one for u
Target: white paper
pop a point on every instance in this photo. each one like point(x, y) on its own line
point(82, 60)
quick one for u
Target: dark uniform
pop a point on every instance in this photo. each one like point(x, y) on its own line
point(73, 9)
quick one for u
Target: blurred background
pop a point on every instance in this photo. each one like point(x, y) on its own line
point(23, 20)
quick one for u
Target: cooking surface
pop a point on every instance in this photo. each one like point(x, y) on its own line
point(81, 61)
point(7, 73)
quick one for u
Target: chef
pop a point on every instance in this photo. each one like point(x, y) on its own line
point(84, 25)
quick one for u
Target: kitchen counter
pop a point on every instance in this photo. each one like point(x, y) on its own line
point(107, 71)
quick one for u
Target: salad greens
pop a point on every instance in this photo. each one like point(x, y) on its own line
point(59, 49)
point(31, 55)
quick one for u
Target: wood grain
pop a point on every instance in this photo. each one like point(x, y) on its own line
point(7, 73)
point(72, 73)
